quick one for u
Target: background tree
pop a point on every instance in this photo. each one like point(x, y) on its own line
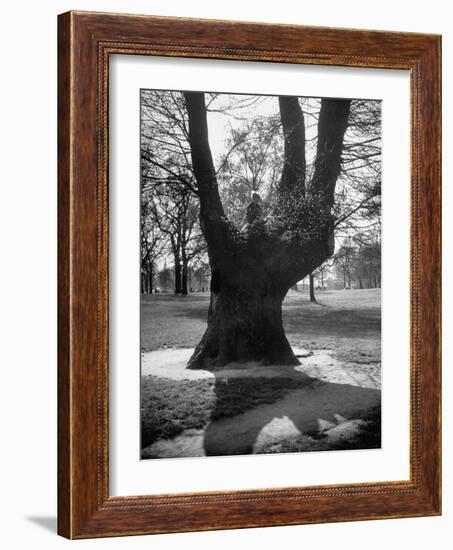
point(153, 243)
point(201, 274)
point(358, 193)
point(344, 261)
point(252, 163)
point(175, 212)
point(320, 274)
point(165, 277)
point(311, 287)
point(167, 179)
point(367, 265)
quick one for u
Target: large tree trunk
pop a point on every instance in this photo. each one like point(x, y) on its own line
point(312, 288)
point(244, 323)
point(184, 275)
point(177, 261)
point(177, 276)
point(150, 279)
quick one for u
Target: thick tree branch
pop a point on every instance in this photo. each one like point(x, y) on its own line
point(203, 165)
point(149, 158)
point(354, 210)
point(294, 166)
point(217, 230)
point(332, 124)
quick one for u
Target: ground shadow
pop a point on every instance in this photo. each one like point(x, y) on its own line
point(305, 409)
point(313, 318)
point(49, 523)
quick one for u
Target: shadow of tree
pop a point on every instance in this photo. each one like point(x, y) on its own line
point(297, 405)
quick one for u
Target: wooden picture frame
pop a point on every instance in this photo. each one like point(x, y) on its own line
point(85, 42)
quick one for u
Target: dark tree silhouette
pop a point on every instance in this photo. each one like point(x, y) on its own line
point(152, 246)
point(253, 268)
point(344, 261)
point(311, 279)
point(175, 214)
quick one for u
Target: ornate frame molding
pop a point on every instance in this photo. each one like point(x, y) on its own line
point(86, 40)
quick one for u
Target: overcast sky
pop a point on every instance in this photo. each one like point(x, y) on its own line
point(266, 106)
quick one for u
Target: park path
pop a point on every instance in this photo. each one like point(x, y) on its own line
point(320, 364)
point(332, 404)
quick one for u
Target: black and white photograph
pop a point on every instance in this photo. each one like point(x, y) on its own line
point(260, 275)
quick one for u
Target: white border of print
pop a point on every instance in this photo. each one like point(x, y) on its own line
point(128, 474)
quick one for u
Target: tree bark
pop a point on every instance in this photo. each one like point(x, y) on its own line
point(177, 262)
point(150, 279)
point(177, 278)
point(312, 288)
point(293, 175)
point(178, 287)
point(184, 272)
point(244, 323)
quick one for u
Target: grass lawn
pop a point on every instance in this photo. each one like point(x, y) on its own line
point(168, 407)
point(346, 321)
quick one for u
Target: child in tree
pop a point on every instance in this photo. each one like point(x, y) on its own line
point(254, 209)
